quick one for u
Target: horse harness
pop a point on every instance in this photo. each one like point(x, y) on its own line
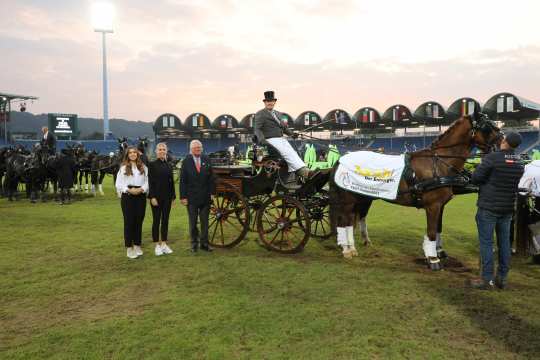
point(461, 177)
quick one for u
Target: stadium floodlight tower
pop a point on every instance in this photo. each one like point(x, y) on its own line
point(102, 21)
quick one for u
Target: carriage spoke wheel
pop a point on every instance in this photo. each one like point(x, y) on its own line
point(255, 204)
point(318, 209)
point(229, 217)
point(281, 223)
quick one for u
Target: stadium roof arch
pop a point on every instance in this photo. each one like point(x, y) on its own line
point(461, 107)
point(338, 119)
point(398, 116)
point(247, 122)
point(197, 122)
point(430, 113)
point(308, 119)
point(168, 125)
point(225, 123)
point(367, 117)
point(505, 106)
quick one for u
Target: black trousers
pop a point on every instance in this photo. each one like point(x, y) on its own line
point(201, 212)
point(160, 216)
point(133, 208)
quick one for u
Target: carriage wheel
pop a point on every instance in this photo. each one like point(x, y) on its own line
point(281, 223)
point(318, 208)
point(255, 203)
point(229, 217)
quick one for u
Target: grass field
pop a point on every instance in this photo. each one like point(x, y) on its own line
point(67, 291)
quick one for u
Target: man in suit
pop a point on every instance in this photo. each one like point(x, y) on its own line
point(48, 140)
point(196, 186)
point(269, 129)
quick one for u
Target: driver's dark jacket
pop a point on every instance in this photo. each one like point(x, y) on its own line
point(498, 176)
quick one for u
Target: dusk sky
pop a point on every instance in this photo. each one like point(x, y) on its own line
point(219, 56)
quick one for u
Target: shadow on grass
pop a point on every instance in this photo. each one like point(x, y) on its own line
point(494, 318)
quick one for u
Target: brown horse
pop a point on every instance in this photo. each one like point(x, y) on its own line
point(428, 186)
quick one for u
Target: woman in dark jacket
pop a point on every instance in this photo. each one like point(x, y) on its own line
point(161, 195)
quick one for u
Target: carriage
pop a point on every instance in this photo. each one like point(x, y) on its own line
point(264, 198)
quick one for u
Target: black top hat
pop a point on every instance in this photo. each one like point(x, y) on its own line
point(269, 96)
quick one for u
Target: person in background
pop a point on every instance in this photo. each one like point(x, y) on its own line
point(132, 185)
point(48, 140)
point(498, 176)
point(65, 170)
point(196, 187)
point(161, 194)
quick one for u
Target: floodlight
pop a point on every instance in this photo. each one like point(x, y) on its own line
point(102, 16)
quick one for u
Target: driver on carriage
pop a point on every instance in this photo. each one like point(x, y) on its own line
point(269, 129)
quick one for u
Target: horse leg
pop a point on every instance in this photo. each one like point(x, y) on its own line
point(86, 181)
point(345, 236)
point(440, 251)
point(430, 240)
point(101, 177)
point(362, 212)
point(94, 180)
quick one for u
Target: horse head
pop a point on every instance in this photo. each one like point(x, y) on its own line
point(122, 144)
point(485, 133)
point(143, 144)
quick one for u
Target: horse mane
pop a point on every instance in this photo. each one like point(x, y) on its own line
point(448, 131)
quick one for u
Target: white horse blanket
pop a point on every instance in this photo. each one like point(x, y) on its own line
point(369, 173)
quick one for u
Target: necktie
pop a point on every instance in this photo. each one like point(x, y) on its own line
point(198, 164)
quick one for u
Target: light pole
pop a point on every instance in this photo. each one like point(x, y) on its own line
point(102, 21)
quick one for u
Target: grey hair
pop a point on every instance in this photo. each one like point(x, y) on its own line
point(162, 144)
point(194, 142)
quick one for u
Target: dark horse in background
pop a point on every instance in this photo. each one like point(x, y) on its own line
point(142, 146)
point(107, 164)
point(83, 160)
point(445, 158)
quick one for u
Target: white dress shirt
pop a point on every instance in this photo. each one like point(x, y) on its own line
point(137, 179)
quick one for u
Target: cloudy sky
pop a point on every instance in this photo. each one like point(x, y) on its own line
point(218, 56)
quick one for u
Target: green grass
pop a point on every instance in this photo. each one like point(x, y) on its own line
point(67, 291)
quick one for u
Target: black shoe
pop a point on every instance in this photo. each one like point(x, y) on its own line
point(194, 249)
point(481, 284)
point(500, 283)
point(206, 248)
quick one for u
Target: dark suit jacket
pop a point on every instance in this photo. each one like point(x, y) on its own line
point(50, 141)
point(265, 126)
point(160, 181)
point(196, 187)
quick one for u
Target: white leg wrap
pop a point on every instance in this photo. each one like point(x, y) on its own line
point(439, 240)
point(430, 247)
point(342, 236)
point(350, 236)
point(350, 241)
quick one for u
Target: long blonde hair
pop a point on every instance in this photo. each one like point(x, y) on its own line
point(127, 163)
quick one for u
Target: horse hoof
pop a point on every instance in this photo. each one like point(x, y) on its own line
point(442, 254)
point(354, 252)
point(434, 264)
point(347, 255)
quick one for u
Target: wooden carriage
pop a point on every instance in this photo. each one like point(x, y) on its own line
point(265, 199)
